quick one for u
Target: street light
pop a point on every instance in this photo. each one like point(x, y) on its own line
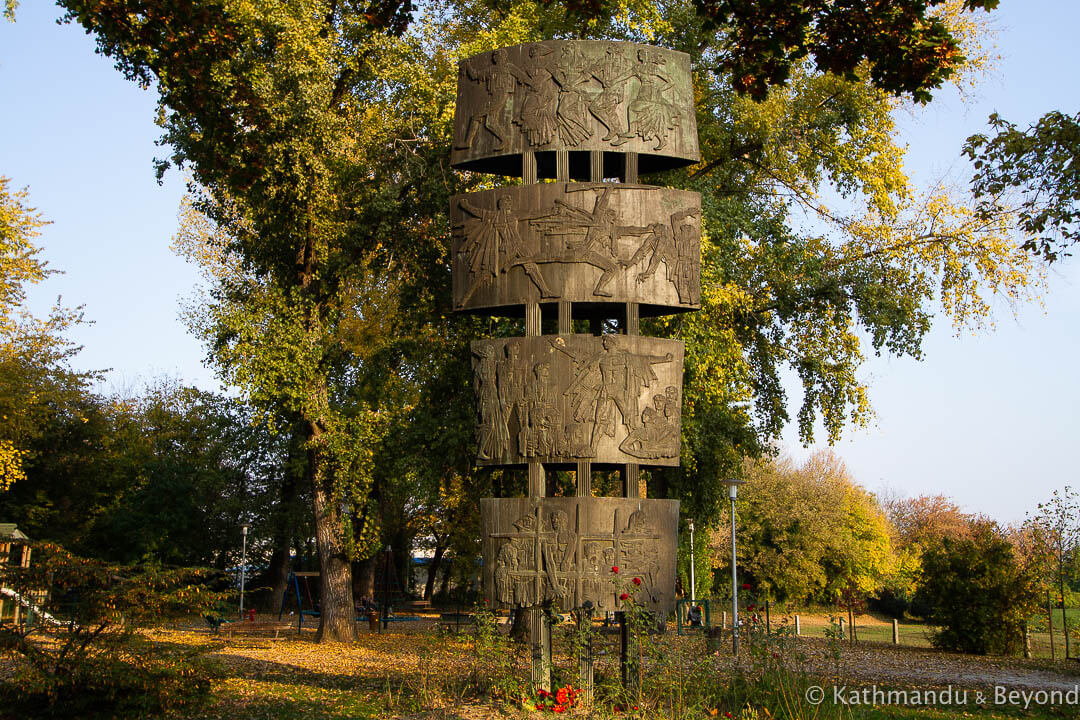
point(733, 491)
point(243, 566)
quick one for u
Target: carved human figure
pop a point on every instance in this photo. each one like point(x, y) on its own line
point(557, 548)
point(511, 380)
point(572, 113)
point(540, 99)
point(540, 431)
point(608, 380)
point(499, 79)
point(650, 115)
point(493, 439)
point(662, 243)
point(687, 273)
point(492, 245)
point(593, 579)
point(639, 551)
point(656, 437)
point(506, 564)
point(600, 230)
point(612, 71)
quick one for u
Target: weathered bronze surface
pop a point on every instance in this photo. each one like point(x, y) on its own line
point(562, 398)
point(565, 550)
point(574, 95)
point(583, 242)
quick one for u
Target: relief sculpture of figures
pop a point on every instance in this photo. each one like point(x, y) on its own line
point(583, 242)
point(608, 380)
point(562, 551)
point(572, 112)
point(612, 71)
point(652, 114)
point(658, 434)
point(493, 439)
point(678, 246)
point(575, 95)
point(498, 80)
point(493, 246)
point(539, 98)
point(609, 399)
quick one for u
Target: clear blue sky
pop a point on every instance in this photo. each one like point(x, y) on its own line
point(989, 420)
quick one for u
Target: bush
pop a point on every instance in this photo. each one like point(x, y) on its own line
point(85, 659)
point(893, 602)
point(127, 677)
point(975, 592)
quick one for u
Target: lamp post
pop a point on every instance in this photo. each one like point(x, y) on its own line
point(693, 585)
point(733, 491)
point(243, 566)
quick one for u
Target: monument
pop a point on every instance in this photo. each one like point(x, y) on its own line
point(583, 257)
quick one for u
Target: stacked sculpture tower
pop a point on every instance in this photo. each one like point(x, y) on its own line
point(582, 259)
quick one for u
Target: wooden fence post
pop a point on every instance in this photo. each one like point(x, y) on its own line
point(1050, 624)
point(895, 631)
point(798, 630)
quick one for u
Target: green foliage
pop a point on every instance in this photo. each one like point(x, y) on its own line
point(975, 591)
point(167, 476)
point(1038, 164)
point(79, 650)
point(36, 378)
point(807, 533)
point(904, 46)
point(317, 146)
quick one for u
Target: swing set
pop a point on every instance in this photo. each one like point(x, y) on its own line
point(293, 584)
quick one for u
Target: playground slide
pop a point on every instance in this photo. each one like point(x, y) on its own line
point(38, 612)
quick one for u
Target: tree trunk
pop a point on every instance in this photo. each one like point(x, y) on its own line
point(445, 587)
point(519, 628)
point(278, 576)
point(433, 571)
point(337, 621)
point(278, 573)
point(364, 579)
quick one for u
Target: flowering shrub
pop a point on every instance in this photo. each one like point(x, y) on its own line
point(557, 702)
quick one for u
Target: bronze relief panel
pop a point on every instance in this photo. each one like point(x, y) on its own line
point(575, 95)
point(583, 242)
point(562, 398)
point(571, 550)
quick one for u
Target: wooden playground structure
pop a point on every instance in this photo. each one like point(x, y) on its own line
point(15, 551)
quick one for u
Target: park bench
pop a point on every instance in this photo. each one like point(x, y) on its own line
point(242, 628)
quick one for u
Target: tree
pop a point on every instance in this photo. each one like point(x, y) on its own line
point(1056, 528)
point(1039, 165)
point(905, 46)
point(975, 591)
point(36, 378)
point(808, 533)
point(927, 519)
point(320, 144)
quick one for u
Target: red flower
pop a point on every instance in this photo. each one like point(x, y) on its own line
point(746, 586)
point(728, 714)
point(637, 581)
point(562, 696)
point(624, 596)
point(750, 606)
point(558, 709)
point(614, 568)
point(539, 706)
point(542, 693)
